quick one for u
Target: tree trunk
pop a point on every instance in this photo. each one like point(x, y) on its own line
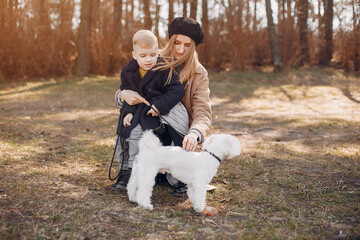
point(327, 51)
point(148, 22)
point(230, 18)
point(171, 10)
point(129, 14)
point(193, 8)
point(283, 9)
point(356, 13)
point(83, 43)
point(44, 20)
point(239, 16)
point(184, 3)
point(117, 18)
point(274, 44)
point(4, 10)
point(66, 14)
point(254, 17)
point(356, 34)
point(280, 12)
point(248, 16)
point(281, 30)
point(157, 18)
point(303, 8)
point(319, 17)
point(288, 9)
point(205, 18)
point(205, 27)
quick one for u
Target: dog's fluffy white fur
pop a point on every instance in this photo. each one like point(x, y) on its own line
point(196, 169)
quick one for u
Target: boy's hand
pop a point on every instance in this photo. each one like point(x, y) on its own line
point(127, 119)
point(152, 112)
point(132, 97)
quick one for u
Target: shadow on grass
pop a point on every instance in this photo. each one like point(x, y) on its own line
point(244, 84)
point(294, 178)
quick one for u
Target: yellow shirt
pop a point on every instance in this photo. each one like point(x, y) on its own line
point(142, 72)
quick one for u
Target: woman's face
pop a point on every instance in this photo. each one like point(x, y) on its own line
point(181, 45)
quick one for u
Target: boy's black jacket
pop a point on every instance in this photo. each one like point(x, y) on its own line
point(152, 87)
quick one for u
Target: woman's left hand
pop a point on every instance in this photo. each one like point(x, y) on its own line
point(190, 141)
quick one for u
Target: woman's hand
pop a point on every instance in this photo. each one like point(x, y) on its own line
point(127, 119)
point(132, 97)
point(153, 111)
point(190, 141)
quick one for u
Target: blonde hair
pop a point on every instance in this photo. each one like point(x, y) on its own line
point(144, 39)
point(189, 61)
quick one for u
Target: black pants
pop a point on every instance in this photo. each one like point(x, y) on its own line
point(170, 135)
point(167, 136)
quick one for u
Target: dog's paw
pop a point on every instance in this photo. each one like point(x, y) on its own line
point(132, 199)
point(148, 206)
point(131, 195)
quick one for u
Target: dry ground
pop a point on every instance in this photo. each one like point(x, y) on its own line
point(298, 176)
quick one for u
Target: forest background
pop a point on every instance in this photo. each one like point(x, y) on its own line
point(46, 38)
point(298, 175)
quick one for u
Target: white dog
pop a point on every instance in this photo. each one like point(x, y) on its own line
point(196, 169)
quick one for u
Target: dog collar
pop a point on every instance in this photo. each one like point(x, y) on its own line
point(212, 154)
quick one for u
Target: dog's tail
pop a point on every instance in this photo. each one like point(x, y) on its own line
point(149, 141)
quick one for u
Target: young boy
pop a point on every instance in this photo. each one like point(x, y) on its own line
point(154, 86)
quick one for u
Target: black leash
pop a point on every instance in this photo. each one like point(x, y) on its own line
point(197, 146)
point(182, 135)
point(122, 149)
point(212, 154)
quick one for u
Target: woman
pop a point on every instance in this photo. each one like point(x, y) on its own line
point(180, 55)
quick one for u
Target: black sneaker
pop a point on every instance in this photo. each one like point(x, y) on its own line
point(160, 179)
point(180, 190)
point(123, 179)
point(113, 187)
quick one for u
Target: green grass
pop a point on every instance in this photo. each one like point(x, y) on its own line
point(296, 178)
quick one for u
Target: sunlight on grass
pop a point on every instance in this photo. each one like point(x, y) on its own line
point(349, 151)
point(78, 114)
point(95, 80)
point(299, 148)
point(22, 148)
point(297, 175)
point(27, 86)
point(295, 99)
point(109, 142)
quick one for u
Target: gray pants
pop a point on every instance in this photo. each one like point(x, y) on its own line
point(133, 143)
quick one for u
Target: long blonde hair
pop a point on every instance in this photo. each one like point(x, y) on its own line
point(189, 61)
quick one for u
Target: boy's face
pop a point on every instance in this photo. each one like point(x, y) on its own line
point(145, 57)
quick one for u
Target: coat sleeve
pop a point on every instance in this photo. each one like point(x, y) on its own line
point(172, 95)
point(201, 106)
point(126, 108)
point(124, 81)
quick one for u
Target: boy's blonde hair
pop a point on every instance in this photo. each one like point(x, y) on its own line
point(145, 39)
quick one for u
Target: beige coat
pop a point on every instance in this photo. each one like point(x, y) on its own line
point(197, 101)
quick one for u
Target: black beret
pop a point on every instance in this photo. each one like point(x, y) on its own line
point(188, 27)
